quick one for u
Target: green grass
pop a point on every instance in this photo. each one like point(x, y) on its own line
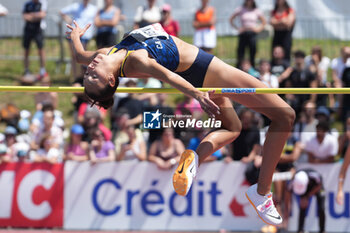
point(11, 70)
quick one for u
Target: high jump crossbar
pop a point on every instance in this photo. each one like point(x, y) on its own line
point(175, 91)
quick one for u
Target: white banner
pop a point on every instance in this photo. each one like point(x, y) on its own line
point(139, 196)
point(337, 217)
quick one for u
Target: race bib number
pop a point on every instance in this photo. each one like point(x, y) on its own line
point(151, 31)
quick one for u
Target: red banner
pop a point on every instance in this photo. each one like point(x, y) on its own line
point(31, 195)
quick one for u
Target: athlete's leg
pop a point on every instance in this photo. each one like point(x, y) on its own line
point(282, 116)
point(231, 128)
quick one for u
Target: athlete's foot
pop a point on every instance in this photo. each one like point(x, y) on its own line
point(185, 172)
point(264, 206)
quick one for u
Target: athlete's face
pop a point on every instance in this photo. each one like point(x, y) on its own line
point(96, 75)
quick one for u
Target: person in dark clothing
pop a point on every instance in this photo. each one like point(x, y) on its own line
point(34, 12)
point(305, 184)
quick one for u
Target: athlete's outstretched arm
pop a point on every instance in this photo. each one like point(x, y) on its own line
point(145, 66)
point(82, 56)
point(342, 175)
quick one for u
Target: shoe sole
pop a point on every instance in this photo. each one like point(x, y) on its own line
point(180, 180)
point(257, 210)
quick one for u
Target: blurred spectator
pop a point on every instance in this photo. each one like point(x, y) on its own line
point(204, 25)
point(44, 98)
point(83, 14)
point(307, 183)
point(121, 126)
point(4, 158)
point(323, 147)
point(106, 21)
point(132, 105)
point(22, 151)
point(92, 122)
point(342, 173)
point(338, 66)
point(38, 117)
point(10, 140)
point(249, 16)
point(47, 150)
point(146, 15)
point(189, 106)
point(247, 67)
point(299, 76)
point(247, 145)
point(278, 63)
point(100, 149)
point(305, 127)
point(164, 108)
point(195, 141)
point(171, 26)
point(134, 148)
point(166, 152)
point(344, 101)
point(318, 64)
point(76, 149)
point(34, 12)
point(265, 74)
point(148, 99)
point(283, 21)
point(86, 107)
point(48, 131)
point(3, 10)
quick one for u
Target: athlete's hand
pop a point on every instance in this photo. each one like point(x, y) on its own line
point(340, 198)
point(76, 31)
point(207, 104)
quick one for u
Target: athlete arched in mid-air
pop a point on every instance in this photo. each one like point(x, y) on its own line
point(151, 52)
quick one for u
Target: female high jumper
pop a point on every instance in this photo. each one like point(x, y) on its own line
point(151, 52)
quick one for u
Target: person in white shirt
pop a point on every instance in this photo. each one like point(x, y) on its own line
point(3, 10)
point(265, 74)
point(323, 147)
point(82, 13)
point(146, 15)
point(318, 64)
point(338, 65)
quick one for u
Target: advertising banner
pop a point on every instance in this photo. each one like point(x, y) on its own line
point(31, 195)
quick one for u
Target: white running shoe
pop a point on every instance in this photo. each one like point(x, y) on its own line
point(264, 206)
point(185, 172)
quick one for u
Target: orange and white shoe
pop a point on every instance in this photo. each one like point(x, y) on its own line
point(185, 172)
point(264, 206)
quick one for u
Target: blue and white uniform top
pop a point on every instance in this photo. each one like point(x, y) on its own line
point(155, 41)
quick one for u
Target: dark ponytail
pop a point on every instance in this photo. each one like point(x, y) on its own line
point(104, 97)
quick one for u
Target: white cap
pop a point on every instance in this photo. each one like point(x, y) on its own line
point(300, 182)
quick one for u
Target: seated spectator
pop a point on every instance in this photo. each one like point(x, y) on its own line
point(344, 140)
point(265, 75)
point(76, 149)
point(38, 117)
point(194, 143)
point(121, 136)
point(47, 128)
point(134, 148)
point(338, 65)
point(247, 145)
point(323, 147)
point(10, 140)
point(318, 64)
point(4, 158)
point(247, 67)
point(106, 21)
point(166, 152)
point(100, 149)
point(47, 150)
point(189, 106)
point(148, 99)
point(22, 151)
point(170, 25)
point(91, 122)
point(299, 77)
point(278, 63)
